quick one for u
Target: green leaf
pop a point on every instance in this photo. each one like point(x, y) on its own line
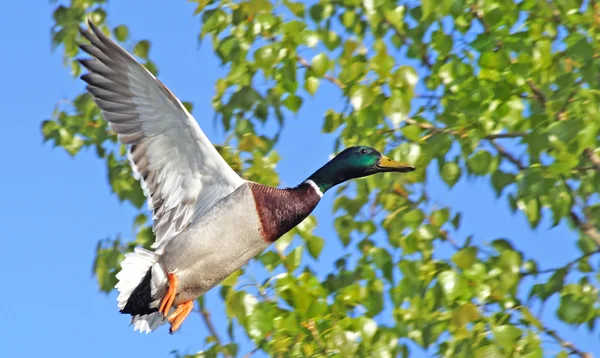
point(245, 98)
point(189, 106)
point(573, 309)
point(489, 59)
point(121, 32)
point(439, 217)
point(266, 56)
point(465, 314)
point(427, 7)
point(332, 121)
point(228, 49)
point(501, 180)
point(480, 162)
point(288, 71)
point(260, 322)
point(396, 108)
point(145, 237)
point(321, 11)
point(509, 262)
point(586, 245)
point(452, 285)
point(293, 259)
point(270, 260)
point(368, 328)
point(151, 67)
point(309, 38)
point(565, 131)
point(315, 246)
point(293, 103)
point(294, 30)
point(331, 40)
point(383, 261)
point(201, 5)
point(404, 77)
point(348, 18)
point(488, 351)
point(320, 64)
point(361, 97)
point(297, 8)
point(213, 21)
point(395, 17)
point(311, 84)
point(532, 209)
point(139, 220)
point(465, 258)
point(506, 336)
point(450, 173)
point(232, 279)
point(141, 49)
point(105, 264)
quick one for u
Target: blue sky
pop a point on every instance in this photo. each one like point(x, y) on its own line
point(55, 208)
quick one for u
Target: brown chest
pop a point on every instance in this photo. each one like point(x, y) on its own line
point(280, 210)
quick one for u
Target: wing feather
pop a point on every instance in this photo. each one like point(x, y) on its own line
point(181, 172)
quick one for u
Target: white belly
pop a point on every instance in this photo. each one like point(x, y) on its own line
point(222, 241)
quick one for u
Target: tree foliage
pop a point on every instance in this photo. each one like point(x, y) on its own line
point(504, 91)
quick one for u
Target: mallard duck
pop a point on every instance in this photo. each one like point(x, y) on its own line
point(208, 221)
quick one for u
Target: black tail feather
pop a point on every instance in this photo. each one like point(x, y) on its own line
point(139, 301)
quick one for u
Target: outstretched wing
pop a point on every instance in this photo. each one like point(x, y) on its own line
point(181, 172)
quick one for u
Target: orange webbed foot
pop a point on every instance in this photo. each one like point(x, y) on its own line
point(180, 314)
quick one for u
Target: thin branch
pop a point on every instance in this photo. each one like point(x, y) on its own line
point(249, 354)
point(537, 92)
point(446, 236)
point(506, 154)
point(330, 78)
point(568, 345)
point(486, 28)
point(458, 133)
point(584, 224)
point(565, 267)
point(506, 135)
point(586, 227)
point(425, 59)
point(593, 157)
point(475, 12)
point(429, 96)
point(211, 328)
point(314, 331)
point(563, 108)
point(430, 127)
point(396, 30)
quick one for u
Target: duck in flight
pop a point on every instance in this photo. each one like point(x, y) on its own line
point(208, 221)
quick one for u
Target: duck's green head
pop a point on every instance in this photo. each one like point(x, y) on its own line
point(355, 162)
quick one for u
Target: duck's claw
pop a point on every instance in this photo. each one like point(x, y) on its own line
point(180, 314)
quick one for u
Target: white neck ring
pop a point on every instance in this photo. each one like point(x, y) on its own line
point(314, 186)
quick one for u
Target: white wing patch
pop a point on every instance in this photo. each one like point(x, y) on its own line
point(181, 172)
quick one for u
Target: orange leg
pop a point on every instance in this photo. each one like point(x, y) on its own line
point(167, 301)
point(180, 314)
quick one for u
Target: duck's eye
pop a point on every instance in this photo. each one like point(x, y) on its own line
point(364, 151)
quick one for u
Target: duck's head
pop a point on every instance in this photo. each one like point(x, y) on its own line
point(355, 162)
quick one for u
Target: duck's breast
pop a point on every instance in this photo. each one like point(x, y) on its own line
point(219, 243)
